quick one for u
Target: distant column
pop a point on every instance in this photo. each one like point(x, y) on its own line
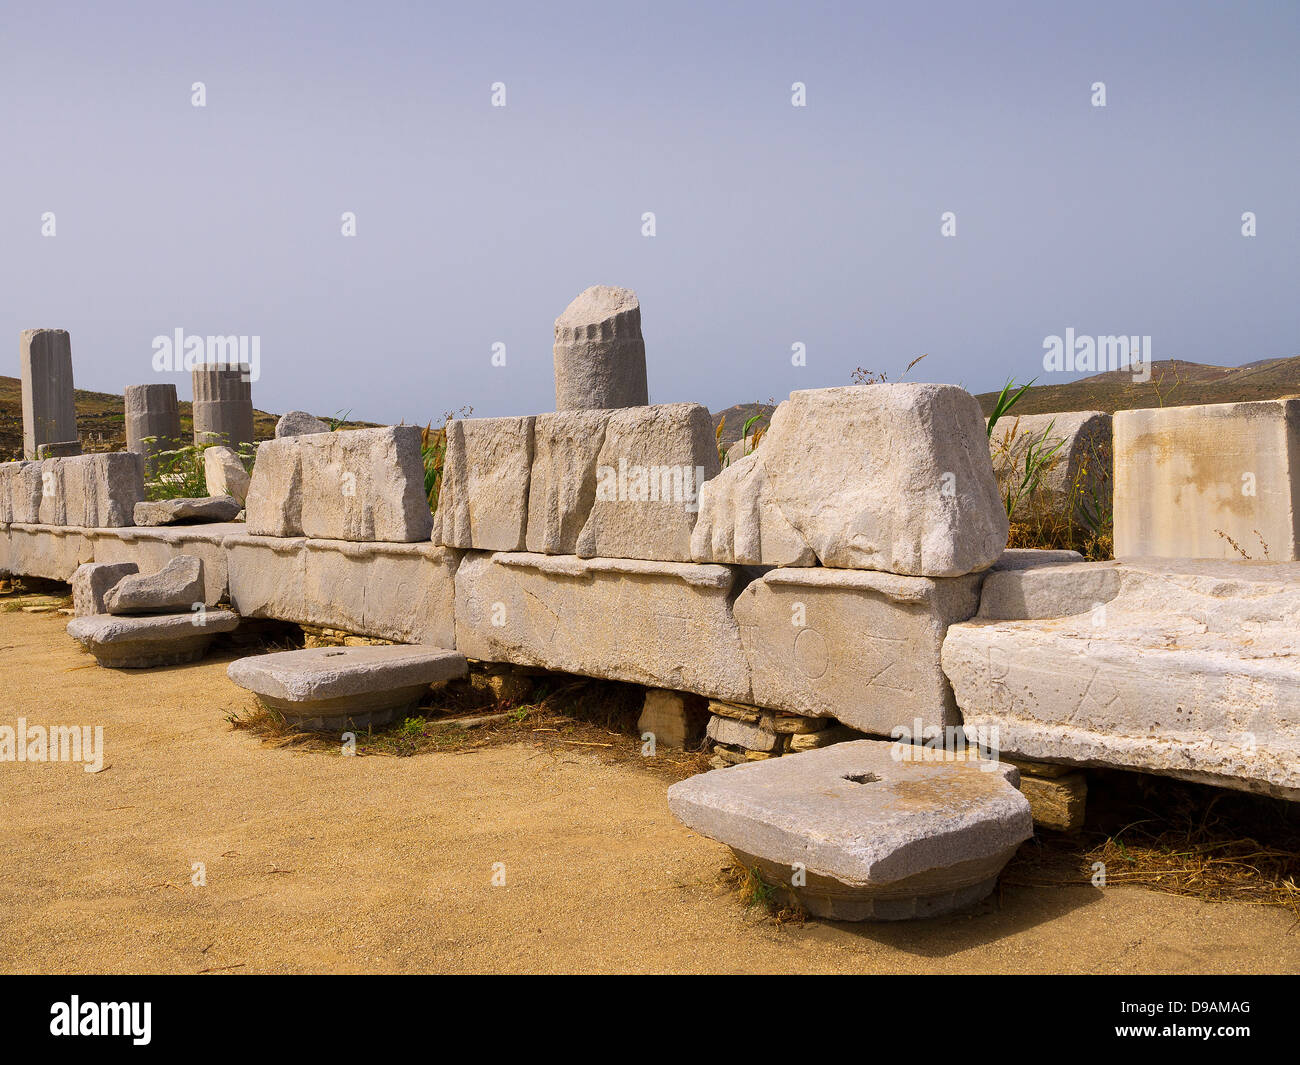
point(153, 419)
point(49, 413)
point(223, 406)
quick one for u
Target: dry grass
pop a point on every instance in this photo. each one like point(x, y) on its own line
point(778, 905)
point(1177, 837)
point(1083, 523)
point(563, 714)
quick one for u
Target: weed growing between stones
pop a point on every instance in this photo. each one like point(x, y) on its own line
point(180, 474)
point(755, 892)
point(1036, 523)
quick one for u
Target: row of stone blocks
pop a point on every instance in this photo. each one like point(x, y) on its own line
point(81, 491)
point(890, 478)
point(1186, 669)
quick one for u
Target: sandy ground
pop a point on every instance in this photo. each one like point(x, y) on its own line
point(319, 863)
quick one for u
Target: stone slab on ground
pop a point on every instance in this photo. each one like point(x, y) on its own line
point(152, 548)
point(177, 586)
point(1191, 481)
point(483, 501)
point(1185, 668)
point(359, 484)
point(205, 510)
point(327, 688)
point(661, 624)
point(145, 641)
point(91, 580)
point(891, 477)
point(652, 464)
point(879, 839)
point(856, 645)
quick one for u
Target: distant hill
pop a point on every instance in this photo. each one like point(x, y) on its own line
point(101, 420)
point(1174, 383)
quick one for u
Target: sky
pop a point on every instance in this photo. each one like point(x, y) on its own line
point(775, 225)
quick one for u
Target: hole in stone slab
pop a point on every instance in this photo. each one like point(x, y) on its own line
point(862, 778)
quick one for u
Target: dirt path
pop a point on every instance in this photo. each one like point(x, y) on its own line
point(321, 863)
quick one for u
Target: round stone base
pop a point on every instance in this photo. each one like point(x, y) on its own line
point(930, 894)
point(309, 719)
point(149, 656)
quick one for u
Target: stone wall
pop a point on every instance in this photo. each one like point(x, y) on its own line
point(852, 567)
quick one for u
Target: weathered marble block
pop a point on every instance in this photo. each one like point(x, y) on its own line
point(91, 580)
point(207, 510)
point(892, 477)
point(299, 423)
point(20, 491)
point(400, 592)
point(335, 688)
point(1187, 669)
point(649, 472)
point(151, 548)
point(267, 576)
point(599, 352)
point(90, 491)
point(224, 473)
point(360, 484)
point(483, 501)
point(151, 641)
point(562, 485)
point(856, 645)
point(1190, 482)
point(661, 624)
point(50, 551)
point(175, 588)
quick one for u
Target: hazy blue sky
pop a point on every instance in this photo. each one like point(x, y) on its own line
point(775, 224)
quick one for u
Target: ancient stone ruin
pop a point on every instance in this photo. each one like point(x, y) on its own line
point(891, 697)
